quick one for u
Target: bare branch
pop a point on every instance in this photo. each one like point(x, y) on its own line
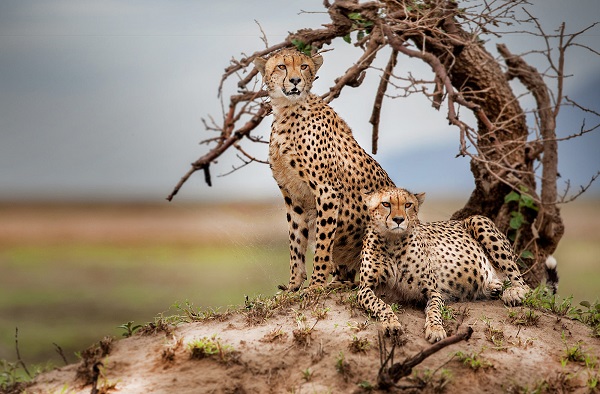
point(383, 84)
point(388, 377)
point(203, 163)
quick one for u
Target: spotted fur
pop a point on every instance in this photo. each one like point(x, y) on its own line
point(320, 169)
point(405, 260)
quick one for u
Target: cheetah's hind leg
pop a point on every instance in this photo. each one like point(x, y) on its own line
point(343, 278)
point(493, 289)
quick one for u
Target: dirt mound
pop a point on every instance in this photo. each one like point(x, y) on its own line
point(325, 343)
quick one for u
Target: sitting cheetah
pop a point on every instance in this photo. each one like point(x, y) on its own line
point(405, 260)
point(320, 170)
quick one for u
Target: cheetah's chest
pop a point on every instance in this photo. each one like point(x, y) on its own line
point(287, 166)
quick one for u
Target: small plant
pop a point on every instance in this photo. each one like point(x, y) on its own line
point(275, 335)
point(209, 347)
point(593, 381)
point(102, 385)
point(350, 299)
point(302, 336)
point(11, 379)
point(192, 314)
point(359, 345)
point(320, 313)
point(91, 358)
point(539, 387)
point(448, 313)
point(357, 327)
point(540, 298)
point(590, 316)
point(366, 385)
point(129, 328)
point(524, 201)
point(523, 317)
point(427, 377)
point(168, 354)
point(472, 360)
point(495, 336)
point(396, 308)
point(577, 354)
point(307, 374)
point(160, 324)
point(574, 354)
point(342, 366)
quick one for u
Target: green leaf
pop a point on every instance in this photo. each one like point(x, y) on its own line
point(517, 220)
point(528, 201)
point(585, 303)
point(360, 35)
point(298, 44)
point(527, 254)
point(347, 38)
point(512, 196)
point(355, 16)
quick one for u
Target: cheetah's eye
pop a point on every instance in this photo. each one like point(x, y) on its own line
point(408, 205)
point(281, 66)
point(304, 67)
point(386, 204)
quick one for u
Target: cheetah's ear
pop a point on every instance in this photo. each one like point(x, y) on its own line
point(318, 61)
point(420, 198)
point(259, 63)
point(370, 199)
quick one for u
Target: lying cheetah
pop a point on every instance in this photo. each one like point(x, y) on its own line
point(320, 170)
point(405, 260)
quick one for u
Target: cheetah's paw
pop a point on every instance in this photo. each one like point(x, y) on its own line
point(514, 295)
point(393, 328)
point(435, 333)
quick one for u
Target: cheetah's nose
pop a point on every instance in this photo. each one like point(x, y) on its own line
point(295, 80)
point(398, 220)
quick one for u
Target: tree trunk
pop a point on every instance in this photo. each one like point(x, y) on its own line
point(503, 162)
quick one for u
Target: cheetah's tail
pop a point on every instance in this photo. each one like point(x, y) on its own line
point(551, 274)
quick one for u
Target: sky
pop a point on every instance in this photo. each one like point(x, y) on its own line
point(104, 100)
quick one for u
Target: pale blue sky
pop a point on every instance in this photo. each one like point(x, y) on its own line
point(104, 99)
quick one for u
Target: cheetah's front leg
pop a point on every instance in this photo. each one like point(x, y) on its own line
point(373, 265)
point(380, 310)
point(328, 205)
point(298, 241)
point(434, 330)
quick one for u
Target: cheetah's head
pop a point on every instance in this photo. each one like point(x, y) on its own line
point(394, 210)
point(288, 74)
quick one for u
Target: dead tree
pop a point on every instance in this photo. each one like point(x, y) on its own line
point(504, 151)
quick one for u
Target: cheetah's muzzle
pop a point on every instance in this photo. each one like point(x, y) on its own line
point(293, 92)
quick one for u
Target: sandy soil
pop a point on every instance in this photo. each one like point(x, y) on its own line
point(326, 344)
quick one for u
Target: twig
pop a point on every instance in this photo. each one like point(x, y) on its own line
point(263, 36)
point(203, 163)
point(19, 359)
point(59, 350)
point(387, 378)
